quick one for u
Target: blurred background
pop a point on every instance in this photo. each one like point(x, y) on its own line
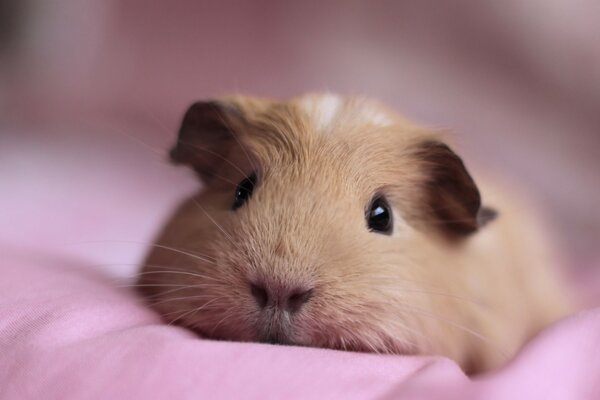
point(91, 93)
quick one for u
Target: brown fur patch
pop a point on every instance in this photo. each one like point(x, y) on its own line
point(451, 197)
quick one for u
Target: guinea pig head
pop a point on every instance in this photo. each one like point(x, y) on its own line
point(322, 222)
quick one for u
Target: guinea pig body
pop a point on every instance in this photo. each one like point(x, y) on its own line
point(333, 222)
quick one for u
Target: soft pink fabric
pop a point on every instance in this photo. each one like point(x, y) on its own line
point(68, 332)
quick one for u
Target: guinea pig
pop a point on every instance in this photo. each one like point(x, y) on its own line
point(334, 222)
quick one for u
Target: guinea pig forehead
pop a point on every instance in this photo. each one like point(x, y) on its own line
point(288, 148)
point(380, 157)
point(283, 142)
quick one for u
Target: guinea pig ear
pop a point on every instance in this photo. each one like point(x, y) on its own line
point(451, 196)
point(207, 136)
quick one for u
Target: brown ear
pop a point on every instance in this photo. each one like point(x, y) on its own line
point(451, 197)
point(207, 136)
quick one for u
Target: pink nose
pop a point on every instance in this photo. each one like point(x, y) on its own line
point(290, 300)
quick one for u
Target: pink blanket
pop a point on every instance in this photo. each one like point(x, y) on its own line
point(68, 332)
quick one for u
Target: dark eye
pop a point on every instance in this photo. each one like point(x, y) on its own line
point(243, 191)
point(379, 216)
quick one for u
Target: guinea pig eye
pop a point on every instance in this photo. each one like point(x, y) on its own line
point(379, 216)
point(243, 191)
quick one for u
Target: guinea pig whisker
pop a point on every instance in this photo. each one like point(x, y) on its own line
point(178, 273)
point(160, 294)
point(342, 336)
point(152, 285)
point(228, 236)
point(183, 268)
point(403, 327)
point(207, 259)
point(158, 152)
point(153, 268)
point(437, 221)
point(239, 142)
point(427, 292)
point(228, 314)
point(434, 221)
point(478, 335)
point(192, 311)
point(173, 288)
point(156, 285)
point(388, 279)
point(361, 275)
point(200, 296)
point(204, 258)
point(420, 287)
point(372, 346)
point(196, 147)
point(167, 131)
point(177, 289)
point(179, 311)
point(161, 152)
point(215, 175)
point(170, 270)
point(342, 342)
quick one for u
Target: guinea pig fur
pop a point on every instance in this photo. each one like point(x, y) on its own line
point(333, 222)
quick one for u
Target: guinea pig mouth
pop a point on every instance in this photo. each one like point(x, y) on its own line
point(281, 336)
point(275, 330)
point(276, 337)
point(270, 333)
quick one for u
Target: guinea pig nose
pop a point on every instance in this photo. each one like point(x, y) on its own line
point(290, 300)
point(297, 298)
point(260, 294)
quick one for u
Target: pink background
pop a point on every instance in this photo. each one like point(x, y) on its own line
point(90, 97)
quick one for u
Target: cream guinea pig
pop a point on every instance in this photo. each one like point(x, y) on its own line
point(333, 222)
